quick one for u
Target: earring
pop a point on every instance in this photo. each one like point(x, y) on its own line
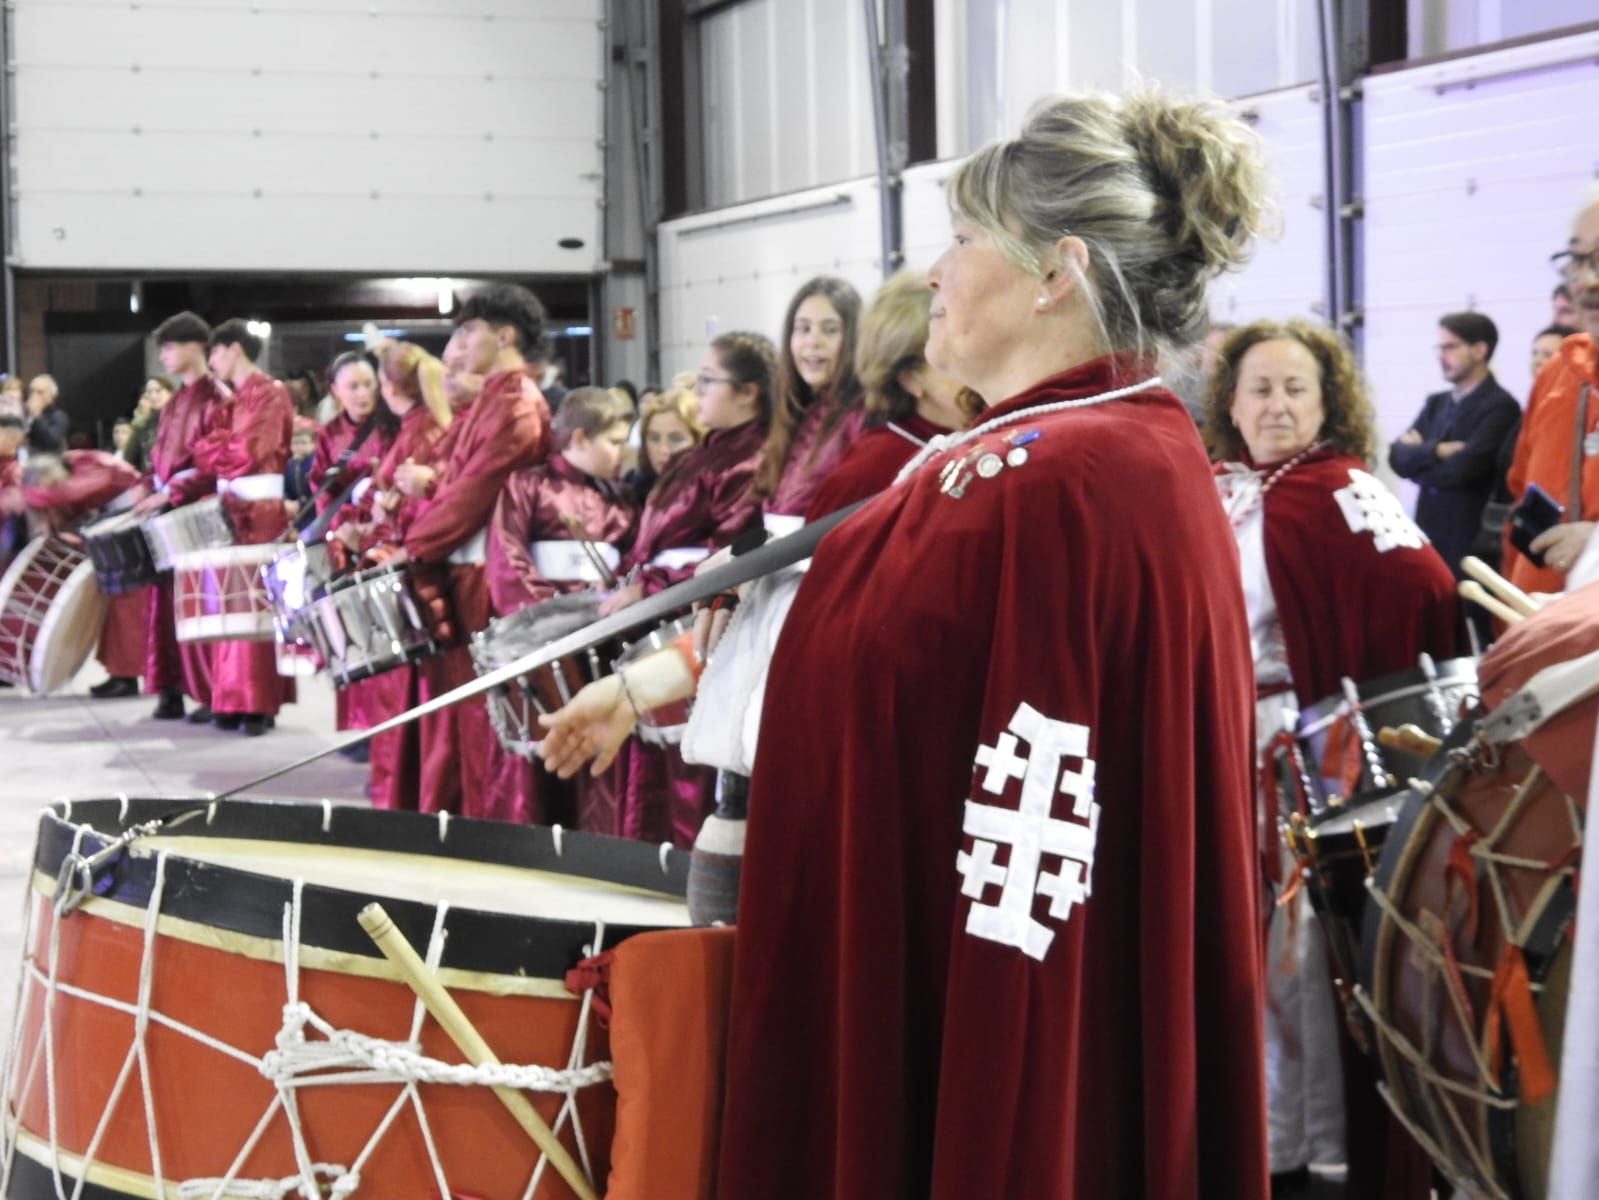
point(1042, 301)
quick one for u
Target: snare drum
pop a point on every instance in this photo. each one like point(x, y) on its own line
point(278, 1050)
point(51, 613)
point(662, 726)
point(120, 552)
point(1466, 959)
point(370, 622)
point(514, 708)
point(217, 594)
point(1339, 754)
point(295, 577)
point(198, 526)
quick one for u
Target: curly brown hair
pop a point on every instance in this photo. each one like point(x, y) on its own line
point(1351, 421)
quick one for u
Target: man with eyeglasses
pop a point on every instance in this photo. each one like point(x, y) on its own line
point(1450, 449)
point(1559, 444)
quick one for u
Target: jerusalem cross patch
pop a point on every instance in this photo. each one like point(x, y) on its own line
point(1368, 505)
point(1048, 856)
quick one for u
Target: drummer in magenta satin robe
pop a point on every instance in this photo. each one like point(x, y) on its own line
point(363, 430)
point(701, 502)
point(412, 385)
point(173, 669)
point(817, 412)
point(93, 480)
point(506, 429)
point(532, 556)
point(245, 448)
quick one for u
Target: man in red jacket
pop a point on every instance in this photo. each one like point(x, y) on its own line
point(505, 429)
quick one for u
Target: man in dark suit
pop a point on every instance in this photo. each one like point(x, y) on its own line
point(1451, 447)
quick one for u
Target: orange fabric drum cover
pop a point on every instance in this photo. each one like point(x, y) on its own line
point(669, 997)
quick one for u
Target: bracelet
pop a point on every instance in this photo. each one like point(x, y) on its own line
point(621, 678)
point(684, 646)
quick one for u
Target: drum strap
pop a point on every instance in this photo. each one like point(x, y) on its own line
point(334, 474)
point(1510, 1004)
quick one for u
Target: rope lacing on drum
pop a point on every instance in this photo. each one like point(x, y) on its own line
point(340, 1184)
point(343, 1057)
point(298, 1061)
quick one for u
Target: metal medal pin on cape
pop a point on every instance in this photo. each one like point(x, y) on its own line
point(1017, 455)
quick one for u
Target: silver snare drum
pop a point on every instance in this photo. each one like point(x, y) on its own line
point(198, 526)
point(514, 708)
point(370, 622)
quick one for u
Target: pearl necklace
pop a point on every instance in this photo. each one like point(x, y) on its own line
point(1271, 481)
point(948, 441)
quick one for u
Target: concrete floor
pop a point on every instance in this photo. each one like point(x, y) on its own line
point(74, 746)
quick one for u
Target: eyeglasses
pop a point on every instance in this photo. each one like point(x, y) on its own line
point(1570, 264)
point(702, 382)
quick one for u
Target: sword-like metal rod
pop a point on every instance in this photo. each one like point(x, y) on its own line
point(773, 556)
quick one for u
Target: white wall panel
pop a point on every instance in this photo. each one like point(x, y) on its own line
point(422, 135)
point(737, 268)
point(786, 97)
point(1472, 175)
point(1286, 277)
point(1006, 55)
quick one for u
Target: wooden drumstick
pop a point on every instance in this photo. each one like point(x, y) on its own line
point(574, 526)
point(382, 930)
point(1499, 585)
point(1478, 595)
point(1412, 739)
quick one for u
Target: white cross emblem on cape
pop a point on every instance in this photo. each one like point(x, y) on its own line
point(1368, 505)
point(1031, 832)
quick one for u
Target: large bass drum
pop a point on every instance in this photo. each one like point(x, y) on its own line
point(1466, 960)
point(201, 1014)
point(51, 614)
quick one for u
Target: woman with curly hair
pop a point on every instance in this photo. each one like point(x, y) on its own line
point(1338, 582)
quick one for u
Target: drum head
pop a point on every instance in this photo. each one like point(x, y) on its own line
point(18, 567)
point(70, 631)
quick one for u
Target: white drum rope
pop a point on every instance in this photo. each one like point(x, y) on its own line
point(330, 1057)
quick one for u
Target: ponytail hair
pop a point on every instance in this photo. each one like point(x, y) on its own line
point(414, 371)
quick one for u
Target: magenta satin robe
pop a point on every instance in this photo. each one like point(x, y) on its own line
point(820, 443)
point(505, 429)
point(396, 757)
point(533, 508)
point(353, 706)
point(249, 435)
point(169, 665)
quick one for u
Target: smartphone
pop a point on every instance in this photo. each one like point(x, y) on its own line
point(1536, 512)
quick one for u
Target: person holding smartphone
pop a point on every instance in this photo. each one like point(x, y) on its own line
point(1559, 445)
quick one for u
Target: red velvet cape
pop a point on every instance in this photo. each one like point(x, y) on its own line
point(1089, 598)
point(1346, 606)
